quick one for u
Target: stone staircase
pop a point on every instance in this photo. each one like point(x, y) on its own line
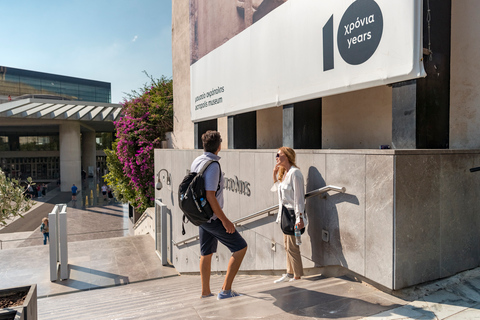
point(177, 297)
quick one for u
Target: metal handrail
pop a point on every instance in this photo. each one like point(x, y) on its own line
point(310, 194)
point(235, 222)
point(324, 190)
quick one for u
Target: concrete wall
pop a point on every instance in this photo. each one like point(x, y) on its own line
point(217, 22)
point(269, 128)
point(183, 129)
point(464, 84)
point(407, 216)
point(222, 127)
point(357, 120)
point(437, 214)
point(146, 224)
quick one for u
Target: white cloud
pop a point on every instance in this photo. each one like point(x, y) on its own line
point(134, 38)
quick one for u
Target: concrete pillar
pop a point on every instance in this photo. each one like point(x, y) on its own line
point(404, 111)
point(70, 156)
point(89, 152)
point(288, 117)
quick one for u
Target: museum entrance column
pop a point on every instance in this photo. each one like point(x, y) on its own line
point(70, 156)
point(89, 153)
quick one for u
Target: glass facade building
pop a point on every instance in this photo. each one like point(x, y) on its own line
point(30, 145)
point(17, 82)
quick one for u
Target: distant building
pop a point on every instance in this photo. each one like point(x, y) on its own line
point(54, 126)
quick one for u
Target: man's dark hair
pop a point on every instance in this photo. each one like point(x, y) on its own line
point(211, 141)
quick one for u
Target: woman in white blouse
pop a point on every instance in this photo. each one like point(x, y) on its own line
point(288, 182)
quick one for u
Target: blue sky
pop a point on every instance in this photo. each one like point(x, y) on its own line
point(105, 40)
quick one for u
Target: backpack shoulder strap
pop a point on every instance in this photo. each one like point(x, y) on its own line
point(209, 162)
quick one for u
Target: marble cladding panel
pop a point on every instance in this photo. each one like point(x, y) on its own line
point(264, 255)
point(246, 174)
point(459, 203)
point(261, 196)
point(231, 167)
point(251, 255)
point(346, 212)
point(417, 219)
point(304, 162)
point(186, 258)
point(164, 162)
point(313, 246)
point(263, 181)
point(221, 258)
point(306, 262)
point(379, 219)
point(277, 231)
point(280, 255)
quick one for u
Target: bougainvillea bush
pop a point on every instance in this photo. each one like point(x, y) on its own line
point(146, 117)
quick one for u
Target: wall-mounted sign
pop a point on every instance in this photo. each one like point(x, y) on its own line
point(237, 186)
point(245, 59)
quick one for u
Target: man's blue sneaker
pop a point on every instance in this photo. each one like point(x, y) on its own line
point(225, 294)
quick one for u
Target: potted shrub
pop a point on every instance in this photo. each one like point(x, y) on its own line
point(19, 303)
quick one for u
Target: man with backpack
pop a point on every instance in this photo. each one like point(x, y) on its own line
point(219, 227)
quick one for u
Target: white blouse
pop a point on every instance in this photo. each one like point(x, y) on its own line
point(291, 194)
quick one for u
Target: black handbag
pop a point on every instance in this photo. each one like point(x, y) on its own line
point(287, 222)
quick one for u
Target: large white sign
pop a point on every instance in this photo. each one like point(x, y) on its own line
point(307, 49)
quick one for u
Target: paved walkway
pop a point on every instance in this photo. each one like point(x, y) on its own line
point(90, 217)
point(113, 276)
point(100, 254)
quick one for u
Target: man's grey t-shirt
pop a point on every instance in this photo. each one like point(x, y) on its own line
point(211, 175)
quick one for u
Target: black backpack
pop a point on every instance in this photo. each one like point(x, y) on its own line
point(192, 197)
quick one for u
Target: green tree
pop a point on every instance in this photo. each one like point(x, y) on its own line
point(146, 117)
point(115, 178)
point(12, 198)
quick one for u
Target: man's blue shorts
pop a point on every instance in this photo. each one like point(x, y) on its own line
point(211, 233)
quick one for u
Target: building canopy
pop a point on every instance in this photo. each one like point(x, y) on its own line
point(60, 109)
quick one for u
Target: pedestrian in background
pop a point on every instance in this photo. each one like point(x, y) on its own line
point(104, 192)
point(74, 193)
point(44, 228)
